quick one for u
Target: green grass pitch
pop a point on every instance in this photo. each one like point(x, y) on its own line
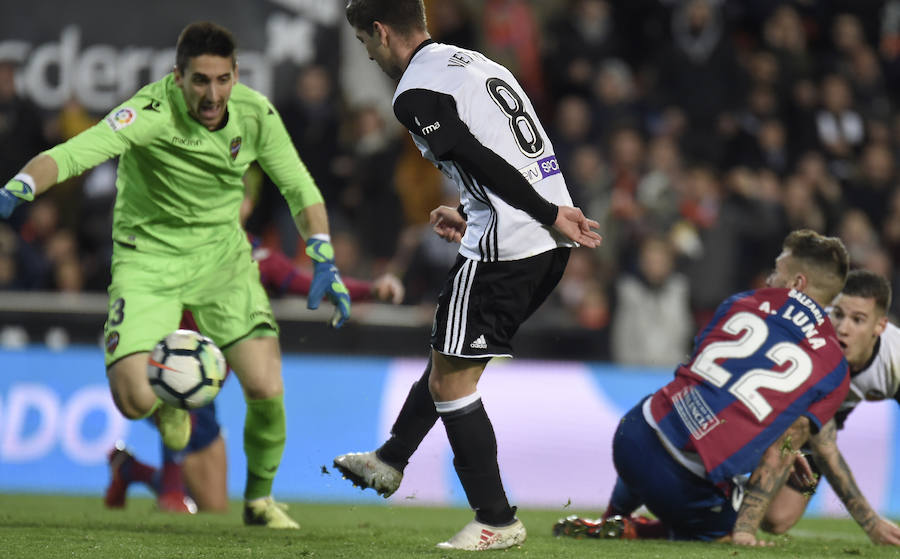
point(47, 526)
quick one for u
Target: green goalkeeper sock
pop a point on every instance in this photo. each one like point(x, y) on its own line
point(264, 436)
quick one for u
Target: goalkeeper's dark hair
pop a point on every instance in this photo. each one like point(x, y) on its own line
point(869, 285)
point(824, 259)
point(204, 37)
point(404, 16)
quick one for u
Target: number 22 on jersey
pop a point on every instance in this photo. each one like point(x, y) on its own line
point(752, 332)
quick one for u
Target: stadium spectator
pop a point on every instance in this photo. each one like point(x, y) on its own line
point(369, 201)
point(799, 204)
point(615, 97)
point(736, 239)
point(451, 21)
point(572, 128)
point(313, 121)
point(651, 323)
point(826, 188)
point(700, 74)
point(870, 188)
point(841, 129)
point(195, 127)
point(511, 36)
point(576, 39)
point(8, 271)
point(514, 244)
point(22, 128)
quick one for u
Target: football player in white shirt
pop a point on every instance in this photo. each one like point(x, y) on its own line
point(515, 225)
point(871, 346)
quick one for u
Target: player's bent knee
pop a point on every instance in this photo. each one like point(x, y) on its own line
point(130, 389)
point(264, 390)
point(131, 407)
point(777, 524)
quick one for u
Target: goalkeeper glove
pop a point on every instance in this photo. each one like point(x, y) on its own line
point(327, 281)
point(16, 191)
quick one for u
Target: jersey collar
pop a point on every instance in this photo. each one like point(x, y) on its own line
point(871, 358)
point(421, 46)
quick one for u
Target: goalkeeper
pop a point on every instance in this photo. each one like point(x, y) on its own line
point(184, 144)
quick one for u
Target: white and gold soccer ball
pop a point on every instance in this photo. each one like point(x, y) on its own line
point(186, 369)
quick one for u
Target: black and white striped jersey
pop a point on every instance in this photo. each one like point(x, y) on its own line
point(880, 378)
point(447, 96)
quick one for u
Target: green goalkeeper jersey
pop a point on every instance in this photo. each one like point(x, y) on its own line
point(179, 184)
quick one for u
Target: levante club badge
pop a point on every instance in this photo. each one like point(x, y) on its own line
point(235, 147)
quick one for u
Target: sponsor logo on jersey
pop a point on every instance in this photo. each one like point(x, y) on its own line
point(189, 142)
point(540, 170)
point(263, 315)
point(235, 147)
point(696, 414)
point(121, 118)
point(112, 342)
point(426, 130)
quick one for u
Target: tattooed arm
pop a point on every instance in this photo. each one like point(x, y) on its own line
point(830, 461)
point(769, 476)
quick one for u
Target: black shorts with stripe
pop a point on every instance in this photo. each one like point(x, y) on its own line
point(483, 304)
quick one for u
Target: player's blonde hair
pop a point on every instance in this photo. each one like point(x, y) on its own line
point(823, 260)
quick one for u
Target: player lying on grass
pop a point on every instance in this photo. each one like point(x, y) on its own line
point(871, 346)
point(194, 478)
point(767, 374)
point(184, 144)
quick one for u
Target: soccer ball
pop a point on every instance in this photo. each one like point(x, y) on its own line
point(186, 369)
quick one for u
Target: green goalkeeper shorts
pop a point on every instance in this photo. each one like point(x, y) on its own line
point(150, 291)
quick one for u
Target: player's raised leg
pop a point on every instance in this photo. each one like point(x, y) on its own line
point(257, 363)
point(135, 398)
point(382, 469)
point(141, 312)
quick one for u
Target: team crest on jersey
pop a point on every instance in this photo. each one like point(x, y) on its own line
point(121, 118)
point(235, 147)
point(112, 342)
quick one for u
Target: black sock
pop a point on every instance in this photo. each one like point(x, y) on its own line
point(474, 447)
point(416, 418)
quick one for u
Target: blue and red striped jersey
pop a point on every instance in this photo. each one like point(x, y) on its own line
point(766, 358)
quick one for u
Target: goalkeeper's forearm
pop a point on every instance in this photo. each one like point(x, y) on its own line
point(312, 220)
point(43, 169)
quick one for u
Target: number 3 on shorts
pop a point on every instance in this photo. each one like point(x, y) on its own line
point(117, 312)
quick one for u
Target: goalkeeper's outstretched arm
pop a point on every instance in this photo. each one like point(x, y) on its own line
point(36, 176)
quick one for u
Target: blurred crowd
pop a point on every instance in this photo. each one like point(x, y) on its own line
point(698, 132)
